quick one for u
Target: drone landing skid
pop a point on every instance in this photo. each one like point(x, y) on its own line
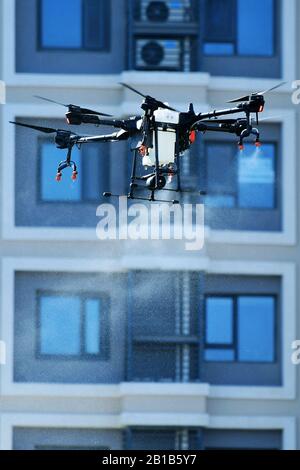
point(139, 198)
point(186, 191)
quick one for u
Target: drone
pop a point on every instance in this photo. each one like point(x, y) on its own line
point(158, 137)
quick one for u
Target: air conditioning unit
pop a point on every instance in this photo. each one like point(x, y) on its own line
point(159, 54)
point(160, 11)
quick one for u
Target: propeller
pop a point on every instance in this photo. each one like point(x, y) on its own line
point(261, 93)
point(73, 107)
point(46, 130)
point(160, 104)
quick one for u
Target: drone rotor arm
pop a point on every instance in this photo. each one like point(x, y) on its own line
point(114, 137)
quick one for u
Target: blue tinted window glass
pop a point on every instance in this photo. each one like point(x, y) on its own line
point(92, 326)
point(220, 201)
point(61, 24)
point(219, 355)
point(221, 174)
point(95, 17)
point(59, 325)
point(219, 21)
point(50, 189)
point(219, 319)
point(94, 172)
point(255, 27)
point(256, 177)
point(218, 48)
point(256, 316)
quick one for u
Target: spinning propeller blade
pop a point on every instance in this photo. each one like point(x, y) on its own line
point(133, 89)
point(46, 130)
point(73, 107)
point(160, 104)
point(261, 93)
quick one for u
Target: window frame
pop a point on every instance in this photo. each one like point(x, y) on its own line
point(104, 349)
point(105, 7)
point(79, 217)
point(265, 66)
point(276, 184)
point(276, 32)
point(235, 324)
point(42, 66)
point(103, 146)
point(259, 374)
point(257, 219)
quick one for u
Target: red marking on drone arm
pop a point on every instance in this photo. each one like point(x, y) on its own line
point(192, 136)
point(143, 150)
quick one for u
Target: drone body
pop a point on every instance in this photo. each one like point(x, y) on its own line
point(158, 138)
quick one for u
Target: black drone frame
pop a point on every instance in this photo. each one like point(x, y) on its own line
point(143, 131)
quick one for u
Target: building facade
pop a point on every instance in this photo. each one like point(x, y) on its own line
point(122, 344)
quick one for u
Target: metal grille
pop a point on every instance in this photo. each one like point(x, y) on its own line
point(167, 10)
point(160, 54)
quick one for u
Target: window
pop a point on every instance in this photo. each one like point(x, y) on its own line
point(69, 328)
point(215, 36)
point(239, 439)
point(241, 339)
point(73, 24)
point(72, 326)
point(48, 203)
point(241, 179)
point(220, 27)
point(71, 36)
point(65, 191)
point(240, 328)
point(257, 177)
point(243, 187)
point(93, 174)
point(227, 30)
point(49, 438)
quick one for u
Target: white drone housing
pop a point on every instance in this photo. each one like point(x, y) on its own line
point(166, 138)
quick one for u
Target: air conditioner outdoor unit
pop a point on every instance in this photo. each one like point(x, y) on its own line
point(159, 54)
point(168, 10)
